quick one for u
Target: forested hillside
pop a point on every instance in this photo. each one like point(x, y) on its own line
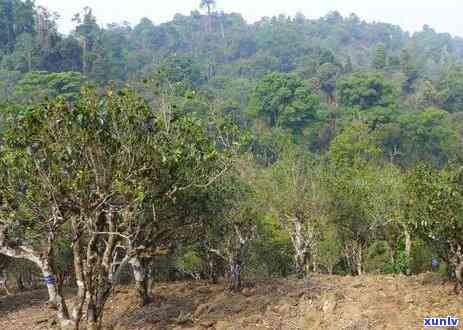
point(352, 68)
point(210, 148)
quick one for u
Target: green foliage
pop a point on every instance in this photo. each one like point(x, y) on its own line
point(409, 70)
point(283, 101)
point(366, 195)
point(434, 195)
point(189, 262)
point(329, 250)
point(377, 257)
point(379, 57)
point(180, 72)
point(354, 148)
point(426, 95)
point(400, 264)
point(436, 209)
point(271, 253)
point(451, 91)
point(365, 90)
point(327, 75)
point(38, 86)
point(420, 136)
point(8, 80)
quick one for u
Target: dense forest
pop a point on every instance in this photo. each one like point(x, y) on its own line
point(214, 149)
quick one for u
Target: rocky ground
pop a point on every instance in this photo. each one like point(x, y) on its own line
point(330, 302)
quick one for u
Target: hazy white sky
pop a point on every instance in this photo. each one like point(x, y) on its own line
point(443, 15)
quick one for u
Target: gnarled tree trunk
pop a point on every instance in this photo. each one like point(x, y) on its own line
point(56, 298)
point(236, 261)
point(354, 255)
point(457, 252)
point(98, 266)
point(235, 273)
point(212, 271)
point(301, 256)
point(141, 281)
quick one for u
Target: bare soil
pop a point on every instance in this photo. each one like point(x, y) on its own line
point(329, 302)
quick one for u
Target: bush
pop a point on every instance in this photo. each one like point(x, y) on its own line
point(420, 257)
point(376, 257)
point(400, 264)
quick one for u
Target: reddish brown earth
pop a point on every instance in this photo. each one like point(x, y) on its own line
point(331, 302)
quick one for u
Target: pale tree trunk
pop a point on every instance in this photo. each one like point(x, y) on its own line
point(353, 252)
point(300, 259)
point(236, 266)
point(50, 281)
point(357, 258)
point(56, 298)
point(330, 270)
point(392, 251)
point(4, 282)
point(459, 277)
point(55, 295)
point(213, 276)
point(211, 265)
point(458, 256)
point(235, 276)
point(314, 260)
point(358, 261)
point(348, 256)
point(300, 248)
point(236, 261)
point(79, 274)
point(141, 283)
point(44, 261)
point(408, 249)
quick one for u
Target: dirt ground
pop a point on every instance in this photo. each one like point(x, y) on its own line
point(330, 302)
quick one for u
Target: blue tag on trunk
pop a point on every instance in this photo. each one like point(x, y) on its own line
point(50, 279)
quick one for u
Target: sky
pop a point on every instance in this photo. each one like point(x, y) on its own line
point(411, 15)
